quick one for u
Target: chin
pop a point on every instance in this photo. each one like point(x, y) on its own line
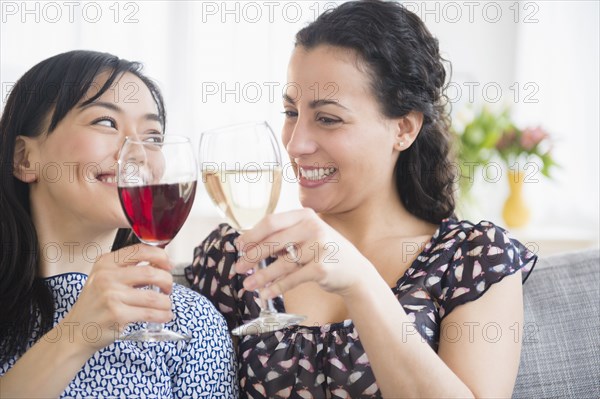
point(313, 203)
point(119, 220)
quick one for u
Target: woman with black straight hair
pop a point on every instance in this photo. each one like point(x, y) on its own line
point(62, 307)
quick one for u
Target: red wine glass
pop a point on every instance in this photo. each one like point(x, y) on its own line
point(156, 181)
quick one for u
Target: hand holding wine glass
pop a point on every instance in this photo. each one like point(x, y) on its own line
point(325, 256)
point(157, 185)
point(241, 170)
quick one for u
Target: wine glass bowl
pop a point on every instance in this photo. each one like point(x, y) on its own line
point(156, 181)
point(242, 172)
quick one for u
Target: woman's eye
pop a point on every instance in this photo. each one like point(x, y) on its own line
point(155, 138)
point(327, 121)
point(105, 121)
point(290, 114)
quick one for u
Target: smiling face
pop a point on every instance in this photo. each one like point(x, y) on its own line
point(75, 165)
point(342, 147)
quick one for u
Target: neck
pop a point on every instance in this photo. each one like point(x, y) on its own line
point(68, 245)
point(382, 217)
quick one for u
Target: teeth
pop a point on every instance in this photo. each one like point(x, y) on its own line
point(108, 179)
point(317, 174)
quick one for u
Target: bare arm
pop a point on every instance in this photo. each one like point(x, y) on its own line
point(404, 365)
point(478, 364)
point(486, 353)
point(46, 368)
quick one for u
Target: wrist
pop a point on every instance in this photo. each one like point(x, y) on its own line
point(70, 341)
point(369, 282)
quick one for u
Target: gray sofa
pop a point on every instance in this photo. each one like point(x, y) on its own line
point(560, 355)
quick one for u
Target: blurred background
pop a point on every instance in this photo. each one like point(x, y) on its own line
point(528, 64)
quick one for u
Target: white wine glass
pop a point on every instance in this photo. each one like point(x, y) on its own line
point(156, 180)
point(241, 170)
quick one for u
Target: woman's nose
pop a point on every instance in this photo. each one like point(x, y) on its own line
point(125, 133)
point(301, 141)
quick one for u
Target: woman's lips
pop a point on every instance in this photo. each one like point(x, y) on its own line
point(109, 179)
point(314, 177)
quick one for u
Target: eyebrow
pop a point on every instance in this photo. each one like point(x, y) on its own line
point(316, 103)
point(117, 109)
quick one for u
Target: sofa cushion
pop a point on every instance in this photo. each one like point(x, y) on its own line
point(560, 354)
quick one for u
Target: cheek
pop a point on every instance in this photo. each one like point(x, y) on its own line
point(95, 149)
point(366, 159)
point(81, 158)
point(156, 165)
point(75, 147)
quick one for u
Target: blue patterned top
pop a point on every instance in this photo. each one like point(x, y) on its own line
point(203, 367)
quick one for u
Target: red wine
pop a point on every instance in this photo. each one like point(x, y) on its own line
point(157, 212)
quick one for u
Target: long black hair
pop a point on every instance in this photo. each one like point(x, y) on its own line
point(48, 91)
point(407, 74)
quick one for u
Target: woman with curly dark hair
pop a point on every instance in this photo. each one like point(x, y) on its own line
point(401, 298)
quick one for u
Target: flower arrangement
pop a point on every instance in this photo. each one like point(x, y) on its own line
point(485, 136)
point(515, 145)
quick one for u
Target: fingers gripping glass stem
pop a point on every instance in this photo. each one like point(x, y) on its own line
point(241, 170)
point(269, 319)
point(156, 181)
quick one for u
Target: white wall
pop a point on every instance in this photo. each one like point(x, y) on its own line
point(192, 46)
point(561, 53)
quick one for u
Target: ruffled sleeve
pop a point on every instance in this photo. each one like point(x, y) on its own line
point(212, 275)
point(484, 257)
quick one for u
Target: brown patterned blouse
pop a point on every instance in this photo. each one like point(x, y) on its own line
point(460, 262)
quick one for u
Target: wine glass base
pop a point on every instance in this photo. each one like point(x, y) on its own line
point(268, 322)
point(154, 336)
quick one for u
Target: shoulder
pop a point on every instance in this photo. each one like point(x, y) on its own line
point(214, 254)
point(213, 260)
point(209, 357)
point(484, 239)
point(491, 244)
point(468, 258)
point(455, 238)
point(193, 311)
point(221, 238)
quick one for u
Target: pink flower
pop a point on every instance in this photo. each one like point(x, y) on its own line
point(506, 140)
point(532, 137)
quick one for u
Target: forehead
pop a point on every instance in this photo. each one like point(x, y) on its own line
point(127, 91)
point(323, 70)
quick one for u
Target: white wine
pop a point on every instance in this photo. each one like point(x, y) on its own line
point(244, 196)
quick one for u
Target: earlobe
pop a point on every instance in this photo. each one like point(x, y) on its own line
point(409, 127)
point(22, 164)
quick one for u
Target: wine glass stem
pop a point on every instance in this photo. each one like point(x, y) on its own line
point(267, 306)
point(150, 326)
